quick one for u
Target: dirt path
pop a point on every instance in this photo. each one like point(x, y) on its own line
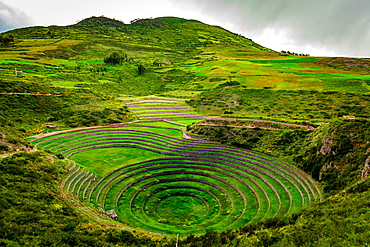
point(9, 154)
point(236, 126)
point(42, 135)
point(44, 94)
point(116, 125)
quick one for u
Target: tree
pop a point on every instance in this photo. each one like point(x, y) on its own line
point(116, 58)
point(49, 33)
point(6, 40)
point(141, 69)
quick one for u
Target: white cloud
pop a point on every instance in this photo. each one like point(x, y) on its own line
point(12, 17)
point(67, 12)
point(330, 27)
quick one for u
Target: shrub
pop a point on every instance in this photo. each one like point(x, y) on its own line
point(116, 58)
point(4, 148)
point(6, 40)
point(141, 69)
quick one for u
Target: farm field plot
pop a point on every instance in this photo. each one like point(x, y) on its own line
point(159, 182)
point(157, 108)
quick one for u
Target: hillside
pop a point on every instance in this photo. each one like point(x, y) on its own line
point(156, 98)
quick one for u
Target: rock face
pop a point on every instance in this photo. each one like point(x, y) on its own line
point(326, 147)
point(366, 170)
point(101, 210)
point(111, 213)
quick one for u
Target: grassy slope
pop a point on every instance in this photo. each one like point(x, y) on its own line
point(222, 73)
point(340, 220)
point(33, 213)
point(334, 153)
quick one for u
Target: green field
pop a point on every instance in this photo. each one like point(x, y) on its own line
point(165, 184)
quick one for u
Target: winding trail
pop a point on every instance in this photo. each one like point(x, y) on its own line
point(44, 94)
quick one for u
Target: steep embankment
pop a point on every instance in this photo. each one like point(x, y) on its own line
point(33, 213)
point(334, 153)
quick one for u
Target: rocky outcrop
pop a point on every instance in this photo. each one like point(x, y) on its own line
point(326, 147)
point(101, 210)
point(366, 170)
point(111, 213)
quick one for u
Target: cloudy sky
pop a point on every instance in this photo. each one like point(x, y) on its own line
point(316, 27)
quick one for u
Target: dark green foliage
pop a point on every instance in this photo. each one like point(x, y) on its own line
point(141, 69)
point(334, 153)
point(94, 118)
point(4, 147)
point(7, 39)
point(12, 139)
point(116, 58)
point(149, 22)
point(23, 113)
point(27, 109)
point(29, 196)
point(299, 106)
point(228, 84)
point(34, 214)
point(100, 21)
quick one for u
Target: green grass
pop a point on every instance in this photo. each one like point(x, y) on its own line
point(102, 161)
point(129, 179)
point(198, 64)
point(350, 85)
point(186, 122)
point(288, 106)
point(163, 124)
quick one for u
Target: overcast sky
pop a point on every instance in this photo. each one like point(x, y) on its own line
point(316, 27)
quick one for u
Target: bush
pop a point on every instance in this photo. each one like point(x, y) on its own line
point(141, 69)
point(6, 40)
point(116, 58)
point(4, 148)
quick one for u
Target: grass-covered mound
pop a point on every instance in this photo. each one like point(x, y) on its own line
point(178, 186)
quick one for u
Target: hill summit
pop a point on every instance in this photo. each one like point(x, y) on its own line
point(100, 21)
